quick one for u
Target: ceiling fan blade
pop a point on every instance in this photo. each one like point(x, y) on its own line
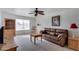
point(31, 13)
point(41, 12)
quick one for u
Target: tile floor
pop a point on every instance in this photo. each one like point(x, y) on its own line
point(24, 44)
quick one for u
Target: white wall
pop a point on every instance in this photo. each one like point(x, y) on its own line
point(12, 16)
point(66, 19)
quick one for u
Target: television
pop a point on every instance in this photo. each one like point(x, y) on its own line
point(1, 35)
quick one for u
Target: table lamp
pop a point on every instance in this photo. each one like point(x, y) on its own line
point(73, 26)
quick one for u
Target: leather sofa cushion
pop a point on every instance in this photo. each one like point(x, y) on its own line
point(58, 33)
point(60, 30)
point(54, 38)
point(48, 36)
point(48, 32)
point(53, 30)
point(51, 33)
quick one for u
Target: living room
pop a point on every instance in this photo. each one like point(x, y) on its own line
point(66, 18)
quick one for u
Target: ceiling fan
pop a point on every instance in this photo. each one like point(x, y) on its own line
point(36, 12)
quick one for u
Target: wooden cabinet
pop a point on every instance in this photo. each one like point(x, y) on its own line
point(73, 43)
point(8, 35)
point(9, 24)
point(9, 29)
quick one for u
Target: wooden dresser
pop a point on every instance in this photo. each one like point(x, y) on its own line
point(73, 43)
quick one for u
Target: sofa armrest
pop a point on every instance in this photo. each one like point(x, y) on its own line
point(43, 32)
point(62, 39)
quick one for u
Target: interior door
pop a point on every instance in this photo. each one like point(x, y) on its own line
point(9, 29)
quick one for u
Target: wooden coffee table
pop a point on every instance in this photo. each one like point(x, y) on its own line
point(36, 35)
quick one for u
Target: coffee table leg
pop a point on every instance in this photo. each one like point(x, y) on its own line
point(41, 38)
point(34, 40)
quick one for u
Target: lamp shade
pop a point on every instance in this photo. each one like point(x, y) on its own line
point(73, 26)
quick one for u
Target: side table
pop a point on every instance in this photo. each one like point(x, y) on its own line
point(73, 43)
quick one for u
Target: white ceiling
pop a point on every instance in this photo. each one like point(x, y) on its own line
point(26, 11)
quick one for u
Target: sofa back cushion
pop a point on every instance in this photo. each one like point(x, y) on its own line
point(53, 30)
point(60, 30)
point(57, 31)
point(48, 29)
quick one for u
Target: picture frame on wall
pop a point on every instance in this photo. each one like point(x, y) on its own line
point(56, 20)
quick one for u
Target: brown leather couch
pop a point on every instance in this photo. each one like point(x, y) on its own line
point(58, 36)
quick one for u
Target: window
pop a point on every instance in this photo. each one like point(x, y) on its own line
point(22, 24)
